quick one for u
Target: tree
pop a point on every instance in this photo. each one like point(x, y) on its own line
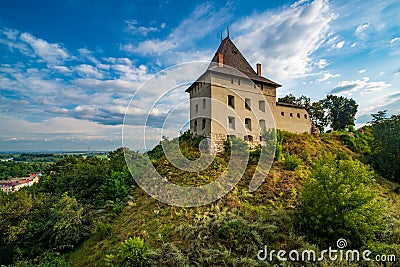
point(289, 99)
point(317, 115)
point(379, 116)
point(68, 223)
point(385, 146)
point(339, 200)
point(341, 111)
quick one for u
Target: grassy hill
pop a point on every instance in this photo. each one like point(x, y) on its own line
point(230, 231)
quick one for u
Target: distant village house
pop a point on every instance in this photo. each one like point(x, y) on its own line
point(15, 184)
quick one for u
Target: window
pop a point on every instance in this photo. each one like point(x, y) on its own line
point(203, 124)
point(231, 101)
point(261, 105)
point(248, 138)
point(195, 126)
point(231, 122)
point(197, 109)
point(305, 116)
point(262, 87)
point(262, 124)
point(247, 103)
point(298, 115)
point(283, 113)
point(291, 114)
point(239, 81)
point(247, 123)
point(204, 103)
point(231, 80)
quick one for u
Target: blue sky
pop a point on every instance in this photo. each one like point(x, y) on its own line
point(68, 69)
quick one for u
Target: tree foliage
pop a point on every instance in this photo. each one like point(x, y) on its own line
point(132, 253)
point(385, 146)
point(9, 169)
point(339, 200)
point(67, 224)
point(57, 213)
point(341, 111)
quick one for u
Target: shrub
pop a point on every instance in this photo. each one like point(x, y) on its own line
point(280, 136)
point(47, 259)
point(103, 230)
point(132, 253)
point(291, 162)
point(339, 201)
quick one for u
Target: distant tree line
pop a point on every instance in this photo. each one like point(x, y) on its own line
point(9, 169)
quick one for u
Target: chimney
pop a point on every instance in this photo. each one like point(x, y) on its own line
point(220, 59)
point(258, 69)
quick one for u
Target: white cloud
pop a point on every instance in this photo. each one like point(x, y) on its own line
point(362, 27)
point(89, 71)
point(86, 54)
point(363, 86)
point(149, 47)
point(362, 71)
point(284, 41)
point(338, 45)
point(51, 53)
point(62, 69)
point(93, 89)
point(322, 63)
point(132, 26)
point(11, 34)
point(394, 40)
point(183, 38)
point(327, 76)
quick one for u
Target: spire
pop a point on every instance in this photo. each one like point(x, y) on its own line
point(221, 36)
point(227, 31)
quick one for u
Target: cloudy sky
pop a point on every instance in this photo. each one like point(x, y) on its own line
point(68, 69)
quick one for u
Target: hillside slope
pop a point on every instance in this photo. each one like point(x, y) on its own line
point(230, 231)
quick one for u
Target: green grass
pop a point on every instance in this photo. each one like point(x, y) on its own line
point(164, 228)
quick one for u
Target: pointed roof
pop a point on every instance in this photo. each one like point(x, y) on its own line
point(233, 58)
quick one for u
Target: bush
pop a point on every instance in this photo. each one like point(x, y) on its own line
point(103, 230)
point(339, 200)
point(132, 253)
point(357, 141)
point(291, 162)
point(280, 136)
point(47, 259)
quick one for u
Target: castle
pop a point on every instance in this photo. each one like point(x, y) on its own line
point(231, 99)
